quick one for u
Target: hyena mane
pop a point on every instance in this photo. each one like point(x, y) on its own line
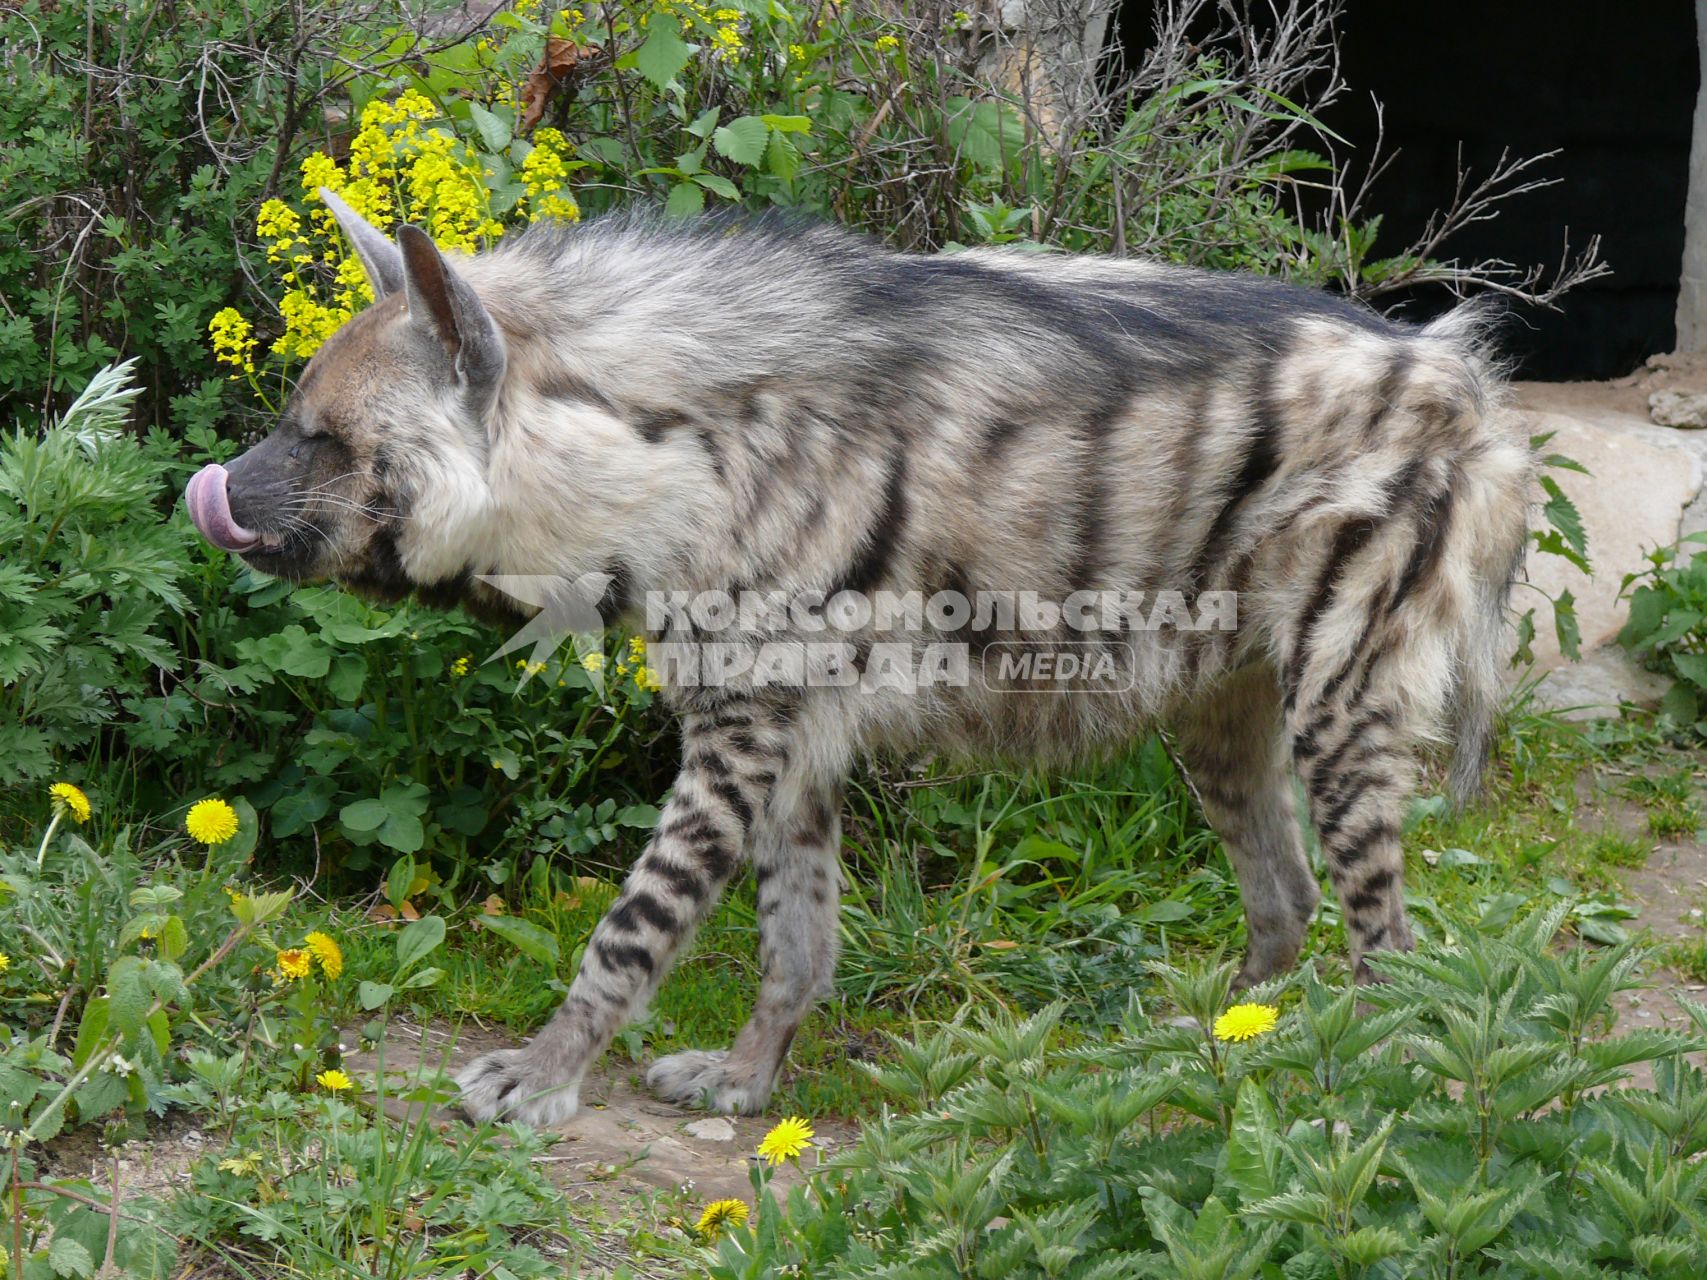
point(1282, 527)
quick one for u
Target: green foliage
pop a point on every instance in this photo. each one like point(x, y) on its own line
point(1461, 1128)
point(1667, 629)
point(90, 581)
point(1562, 536)
point(168, 670)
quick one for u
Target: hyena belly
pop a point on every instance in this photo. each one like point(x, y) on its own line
point(1265, 518)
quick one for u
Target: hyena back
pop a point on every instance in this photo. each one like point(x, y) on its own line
point(725, 408)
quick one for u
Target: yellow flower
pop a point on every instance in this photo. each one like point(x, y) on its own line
point(786, 1141)
point(1246, 1022)
point(294, 963)
point(211, 821)
point(5, 962)
point(593, 662)
point(637, 646)
point(70, 799)
point(327, 952)
point(719, 1214)
point(460, 666)
point(648, 680)
point(334, 1080)
point(244, 1166)
point(885, 43)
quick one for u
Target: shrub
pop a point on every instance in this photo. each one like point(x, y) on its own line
point(1667, 628)
point(1471, 1125)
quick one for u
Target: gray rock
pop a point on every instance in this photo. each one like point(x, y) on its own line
point(1599, 685)
point(713, 1129)
point(1641, 480)
point(1678, 408)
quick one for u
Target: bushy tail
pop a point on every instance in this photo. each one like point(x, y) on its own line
point(1492, 500)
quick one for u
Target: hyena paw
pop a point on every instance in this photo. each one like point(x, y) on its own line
point(506, 1086)
point(704, 1078)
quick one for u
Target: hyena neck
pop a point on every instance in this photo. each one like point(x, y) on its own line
point(570, 490)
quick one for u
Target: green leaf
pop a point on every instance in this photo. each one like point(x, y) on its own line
point(1692, 667)
point(423, 978)
point(127, 994)
point(399, 881)
point(705, 122)
point(347, 676)
point(68, 1258)
point(373, 994)
point(788, 124)
point(664, 53)
point(782, 157)
point(1565, 626)
point(364, 815)
point(1253, 1147)
point(742, 140)
point(526, 937)
point(494, 129)
point(685, 200)
point(403, 832)
point(717, 183)
point(417, 940)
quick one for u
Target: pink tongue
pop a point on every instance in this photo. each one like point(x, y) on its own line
point(211, 511)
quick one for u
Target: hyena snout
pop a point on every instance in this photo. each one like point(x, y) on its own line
point(261, 510)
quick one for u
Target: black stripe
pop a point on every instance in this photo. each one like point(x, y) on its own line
point(1381, 715)
point(654, 425)
point(883, 535)
point(997, 437)
point(683, 881)
point(1372, 893)
point(1357, 785)
point(1353, 536)
point(623, 955)
point(731, 795)
point(639, 906)
point(708, 441)
point(1393, 379)
point(1354, 848)
point(1431, 545)
point(1260, 463)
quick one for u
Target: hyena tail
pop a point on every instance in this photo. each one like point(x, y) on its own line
point(1493, 482)
point(1494, 495)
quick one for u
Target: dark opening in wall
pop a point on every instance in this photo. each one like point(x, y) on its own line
point(1610, 85)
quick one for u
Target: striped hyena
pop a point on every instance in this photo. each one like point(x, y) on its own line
point(712, 409)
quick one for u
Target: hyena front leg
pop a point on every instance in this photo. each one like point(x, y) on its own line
point(731, 759)
point(1234, 743)
point(797, 866)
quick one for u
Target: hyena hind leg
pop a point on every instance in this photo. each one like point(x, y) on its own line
point(1358, 766)
point(798, 874)
point(1234, 744)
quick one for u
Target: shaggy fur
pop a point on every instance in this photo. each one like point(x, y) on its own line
point(729, 406)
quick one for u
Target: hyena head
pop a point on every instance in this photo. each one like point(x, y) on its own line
point(374, 474)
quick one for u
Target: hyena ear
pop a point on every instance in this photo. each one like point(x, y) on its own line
point(381, 259)
point(443, 305)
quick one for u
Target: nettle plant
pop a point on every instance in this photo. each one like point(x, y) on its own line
point(1667, 627)
point(1475, 1123)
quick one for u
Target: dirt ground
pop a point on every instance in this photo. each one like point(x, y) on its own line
point(1628, 394)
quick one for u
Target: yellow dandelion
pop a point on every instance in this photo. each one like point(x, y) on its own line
point(327, 952)
point(1246, 1022)
point(211, 821)
point(719, 1214)
point(786, 1141)
point(70, 799)
point(593, 662)
point(333, 1080)
point(295, 962)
